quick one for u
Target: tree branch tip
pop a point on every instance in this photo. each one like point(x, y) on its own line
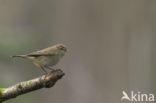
point(45, 81)
point(52, 77)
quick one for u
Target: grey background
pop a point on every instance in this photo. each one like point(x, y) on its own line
point(111, 47)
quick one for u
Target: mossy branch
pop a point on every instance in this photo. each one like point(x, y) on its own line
point(45, 81)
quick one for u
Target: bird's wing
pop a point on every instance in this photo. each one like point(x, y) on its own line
point(43, 52)
point(40, 53)
point(37, 55)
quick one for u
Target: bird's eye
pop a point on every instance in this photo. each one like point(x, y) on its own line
point(62, 48)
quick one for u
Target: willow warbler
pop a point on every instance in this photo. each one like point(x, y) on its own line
point(47, 57)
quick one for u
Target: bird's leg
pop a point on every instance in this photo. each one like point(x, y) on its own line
point(44, 70)
point(50, 68)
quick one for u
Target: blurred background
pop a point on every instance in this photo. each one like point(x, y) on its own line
point(110, 47)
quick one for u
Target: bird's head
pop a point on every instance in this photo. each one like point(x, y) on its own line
point(61, 49)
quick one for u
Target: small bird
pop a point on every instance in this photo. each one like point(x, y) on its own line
point(47, 57)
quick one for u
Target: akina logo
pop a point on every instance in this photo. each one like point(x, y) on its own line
point(137, 96)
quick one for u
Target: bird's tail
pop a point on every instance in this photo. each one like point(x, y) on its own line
point(22, 56)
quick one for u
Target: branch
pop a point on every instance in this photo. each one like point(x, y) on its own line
point(45, 81)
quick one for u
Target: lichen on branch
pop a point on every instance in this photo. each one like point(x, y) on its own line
point(45, 81)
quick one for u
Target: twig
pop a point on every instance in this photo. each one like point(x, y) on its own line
point(45, 81)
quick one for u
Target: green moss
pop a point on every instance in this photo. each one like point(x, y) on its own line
point(1, 90)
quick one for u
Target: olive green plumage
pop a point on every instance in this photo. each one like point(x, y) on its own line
point(47, 57)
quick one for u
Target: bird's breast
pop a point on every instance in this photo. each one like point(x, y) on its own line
point(48, 60)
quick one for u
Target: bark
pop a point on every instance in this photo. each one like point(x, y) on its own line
point(45, 81)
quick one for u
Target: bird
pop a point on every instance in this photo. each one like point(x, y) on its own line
point(46, 58)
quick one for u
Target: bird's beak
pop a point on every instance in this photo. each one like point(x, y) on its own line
point(65, 49)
